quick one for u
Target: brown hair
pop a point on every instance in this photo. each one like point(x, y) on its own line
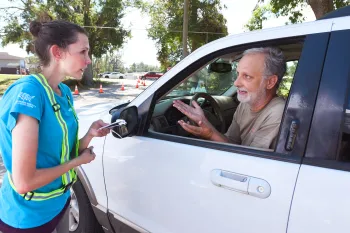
point(57, 32)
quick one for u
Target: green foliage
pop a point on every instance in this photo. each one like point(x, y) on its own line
point(33, 64)
point(259, 15)
point(108, 62)
point(286, 83)
point(290, 8)
point(167, 23)
point(141, 67)
point(87, 13)
point(284, 87)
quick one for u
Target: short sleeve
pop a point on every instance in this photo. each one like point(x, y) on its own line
point(25, 98)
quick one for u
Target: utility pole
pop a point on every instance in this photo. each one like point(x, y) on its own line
point(185, 30)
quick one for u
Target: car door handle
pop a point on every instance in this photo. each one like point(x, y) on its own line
point(241, 183)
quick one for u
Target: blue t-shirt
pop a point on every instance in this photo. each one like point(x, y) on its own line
point(27, 96)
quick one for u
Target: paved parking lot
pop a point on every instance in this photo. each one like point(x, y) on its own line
point(90, 98)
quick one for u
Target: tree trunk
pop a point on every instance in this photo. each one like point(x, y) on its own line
point(88, 76)
point(321, 7)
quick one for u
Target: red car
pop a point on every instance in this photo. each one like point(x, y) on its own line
point(151, 75)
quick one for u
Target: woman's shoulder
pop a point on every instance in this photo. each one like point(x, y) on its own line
point(27, 84)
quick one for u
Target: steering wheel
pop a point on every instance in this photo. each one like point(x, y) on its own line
point(216, 119)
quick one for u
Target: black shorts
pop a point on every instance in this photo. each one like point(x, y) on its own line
point(46, 228)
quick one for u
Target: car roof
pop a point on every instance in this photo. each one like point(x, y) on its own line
point(341, 12)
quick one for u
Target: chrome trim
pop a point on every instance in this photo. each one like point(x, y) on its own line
point(74, 216)
point(128, 223)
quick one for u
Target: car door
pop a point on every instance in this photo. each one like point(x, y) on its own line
point(321, 200)
point(164, 183)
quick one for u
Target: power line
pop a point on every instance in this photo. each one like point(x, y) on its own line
point(197, 32)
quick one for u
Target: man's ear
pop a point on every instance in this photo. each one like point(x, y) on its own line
point(272, 81)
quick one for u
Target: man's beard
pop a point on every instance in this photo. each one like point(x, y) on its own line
point(252, 97)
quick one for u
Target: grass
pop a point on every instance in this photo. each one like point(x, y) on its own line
point(7, 79)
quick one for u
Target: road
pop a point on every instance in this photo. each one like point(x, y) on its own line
point(92, 97)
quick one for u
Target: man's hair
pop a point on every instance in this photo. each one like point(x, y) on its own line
point(275, 63)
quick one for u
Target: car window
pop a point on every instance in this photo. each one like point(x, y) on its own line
point(286, 83)
point(216, 78)
point(205, 80)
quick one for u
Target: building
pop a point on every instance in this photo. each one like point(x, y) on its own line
point(10, 64)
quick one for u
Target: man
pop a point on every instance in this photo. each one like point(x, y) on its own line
point(257, 119)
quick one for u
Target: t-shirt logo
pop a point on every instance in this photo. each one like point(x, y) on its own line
point(25, 99)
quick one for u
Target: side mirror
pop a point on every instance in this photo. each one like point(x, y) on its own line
point(116, 108)
point(130, 116)
point(220, 67)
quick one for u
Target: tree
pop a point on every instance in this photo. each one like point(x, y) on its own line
point(291, 9)
point(88, 13)
point(142, 67)
point(206, 24)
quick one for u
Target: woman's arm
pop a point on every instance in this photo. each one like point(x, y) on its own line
point(26, 177)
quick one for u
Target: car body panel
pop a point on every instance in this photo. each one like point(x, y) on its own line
point(321, 201)
point(94, 171)
point(160, 185)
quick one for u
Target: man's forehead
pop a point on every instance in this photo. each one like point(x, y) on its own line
point(251, 61)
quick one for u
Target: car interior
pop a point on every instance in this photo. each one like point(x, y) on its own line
point(212, 87)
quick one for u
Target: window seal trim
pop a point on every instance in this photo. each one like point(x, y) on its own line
point(330, 164)
point(225, 147)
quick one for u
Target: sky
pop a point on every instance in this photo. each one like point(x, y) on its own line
point(139, 48)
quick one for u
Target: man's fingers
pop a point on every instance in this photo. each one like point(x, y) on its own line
point(184, 108)
point(195, 104)
point(190, 128)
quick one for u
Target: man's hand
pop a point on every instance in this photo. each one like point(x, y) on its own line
point(204, 129)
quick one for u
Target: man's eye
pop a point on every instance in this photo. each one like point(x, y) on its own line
point(247, 76)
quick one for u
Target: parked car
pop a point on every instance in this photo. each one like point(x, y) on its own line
point(114, 75)
point(151, 176)
point(101, 74)
point(151, 75)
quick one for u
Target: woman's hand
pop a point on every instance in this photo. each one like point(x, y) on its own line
point(86, 156)
point(94, 129)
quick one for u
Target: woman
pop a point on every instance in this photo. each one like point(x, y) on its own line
point(39, 131)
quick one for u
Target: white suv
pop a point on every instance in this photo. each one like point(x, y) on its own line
point(154, 177)
point(114, 75)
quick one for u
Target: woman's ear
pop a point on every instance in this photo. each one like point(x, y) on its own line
point(272, 81)
point(56, 52)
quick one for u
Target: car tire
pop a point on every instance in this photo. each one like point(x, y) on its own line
point(121, 77)
point(107, 76)
point(87, 222)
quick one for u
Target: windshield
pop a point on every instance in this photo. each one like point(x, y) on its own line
point(205, 80)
